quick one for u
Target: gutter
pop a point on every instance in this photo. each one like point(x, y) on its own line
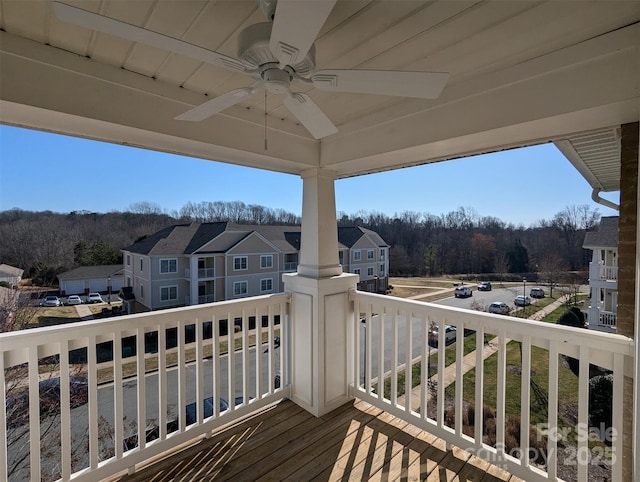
point(595, 195)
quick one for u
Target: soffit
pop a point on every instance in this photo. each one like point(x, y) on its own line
point(521, 73)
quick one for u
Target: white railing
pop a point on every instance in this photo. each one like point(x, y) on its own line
point(598, 271)
point(206, 298)
point(607, 318)
point(86, 427)
point(500, 371)
point(206, 272)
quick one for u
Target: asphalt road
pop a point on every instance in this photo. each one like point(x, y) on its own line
point(482, 299)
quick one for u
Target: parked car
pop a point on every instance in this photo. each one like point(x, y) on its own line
point(192, 415)
point(449, 335)
point(484, 286)
point(51, 301)
point(536, 293)
point(499, 307)
point(94, 298)
point(462, 292)
point(74, 300)
point(522, 300)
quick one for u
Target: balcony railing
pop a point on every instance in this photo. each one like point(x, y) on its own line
point(206, 298)
point(183, 360)
point(291, 266)
point(73, 400)
point(607, 318)
point(598, 271)
point(206, 273)
point(510, 367)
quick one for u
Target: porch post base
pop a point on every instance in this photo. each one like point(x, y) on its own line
point(321, 340)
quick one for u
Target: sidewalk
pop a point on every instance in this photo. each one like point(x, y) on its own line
point(84, 313)
point(469, 360)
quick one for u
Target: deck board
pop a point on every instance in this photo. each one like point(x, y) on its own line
point(285, 443)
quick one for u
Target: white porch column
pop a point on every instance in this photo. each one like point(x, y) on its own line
point(321, 335)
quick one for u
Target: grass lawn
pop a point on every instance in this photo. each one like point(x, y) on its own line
point(567, 381)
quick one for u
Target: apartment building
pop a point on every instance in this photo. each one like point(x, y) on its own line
point(602, 306)
point(190, 264)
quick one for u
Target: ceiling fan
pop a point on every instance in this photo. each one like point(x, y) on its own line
point(274, 53)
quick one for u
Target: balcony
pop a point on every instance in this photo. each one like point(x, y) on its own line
point(598, 271)
point(210, 298)
point(206, 273)
point(399, 422)
point(290, 266)
point(607, 318)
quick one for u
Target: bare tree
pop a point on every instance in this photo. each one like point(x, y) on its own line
point(145, 207)
point(552, 269)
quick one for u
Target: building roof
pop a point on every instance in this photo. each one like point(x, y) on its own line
point(349, 235)
point(606, 236)
point(219, 237)
point(91, 272)
point(10, 270)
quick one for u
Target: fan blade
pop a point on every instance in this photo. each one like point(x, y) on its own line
point(217, 104)
point(423, 85)
point(100, 23)
point(310, 115)
point(295, 27)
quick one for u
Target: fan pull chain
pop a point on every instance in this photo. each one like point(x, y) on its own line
point(265, 119)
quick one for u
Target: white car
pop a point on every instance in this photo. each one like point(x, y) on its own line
point(51, 301)
point(522, 300)
point(94, 298)
point(499, 307)
point(462, 292)
point(74, 300)
point(449, 335)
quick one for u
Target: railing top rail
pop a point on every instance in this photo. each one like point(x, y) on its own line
point(514, 328)
point(171, 317)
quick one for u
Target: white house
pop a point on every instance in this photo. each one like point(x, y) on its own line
point(602, 306)
point(10, 275)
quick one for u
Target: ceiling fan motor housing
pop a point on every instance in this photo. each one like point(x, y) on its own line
point(254, 51)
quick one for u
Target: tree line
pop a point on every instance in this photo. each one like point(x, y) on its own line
point(460, 242)
point(463, 242)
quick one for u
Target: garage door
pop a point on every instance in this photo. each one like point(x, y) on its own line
point(73, 287)
point(99, 285)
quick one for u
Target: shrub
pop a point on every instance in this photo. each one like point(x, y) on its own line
point(580, 315)
point(600, 401)
point(571, 318)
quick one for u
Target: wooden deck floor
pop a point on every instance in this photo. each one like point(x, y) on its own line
point(354, 442)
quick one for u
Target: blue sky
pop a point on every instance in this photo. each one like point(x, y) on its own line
point(41, 171)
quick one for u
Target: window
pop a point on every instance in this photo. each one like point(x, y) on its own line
point(168, 293)
point(356, 271)
point(266, 261)
point(382, 254)
point(370, 254)
point(140, 264)
point(382, 270)
point(357, 255)
point(239, 263)
point(341, 257)
point(266, 285)
point(369, 271)
point(240, 288)
point(141, 291)
point(128, 260)
point(169, 265)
